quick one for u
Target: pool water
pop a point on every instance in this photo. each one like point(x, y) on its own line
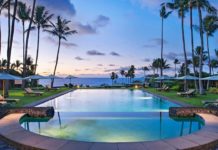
point(111, 116)
point(109, 101)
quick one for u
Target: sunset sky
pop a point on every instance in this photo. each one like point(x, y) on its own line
point(112, 34)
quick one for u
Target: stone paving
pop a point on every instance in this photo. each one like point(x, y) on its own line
point(10, 129)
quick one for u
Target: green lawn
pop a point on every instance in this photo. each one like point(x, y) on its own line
point(24, 100)
point(195, 101)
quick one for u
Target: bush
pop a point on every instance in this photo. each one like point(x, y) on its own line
point(213, 90)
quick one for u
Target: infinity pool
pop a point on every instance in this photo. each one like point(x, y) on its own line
point(111, 116)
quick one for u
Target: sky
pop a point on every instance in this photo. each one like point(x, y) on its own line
point(112, 35)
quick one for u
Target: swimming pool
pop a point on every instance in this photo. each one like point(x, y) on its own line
point(111, 116)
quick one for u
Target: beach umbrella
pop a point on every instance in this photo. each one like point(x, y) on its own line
point(187, 77)
point(70, 77)
point(6, 76)
point(35, 77)
point(211, 78)
point(163, 78)
point(52, 77)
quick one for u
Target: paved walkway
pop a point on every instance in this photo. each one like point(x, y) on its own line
point(5, 146)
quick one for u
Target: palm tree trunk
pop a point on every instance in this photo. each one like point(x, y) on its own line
point(9, 48)
point(209, 60)
point(192, 43)
point(37, 50)
point(175, 70)
point(201, 89)
point(57, 58)
point(27, 37)
point(184, 50)
point(161, 65)
point(0, 38)
point(23, 24)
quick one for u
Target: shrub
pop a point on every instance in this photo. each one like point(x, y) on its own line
point(213, 90)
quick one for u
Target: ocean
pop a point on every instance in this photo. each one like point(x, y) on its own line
point(85, 81)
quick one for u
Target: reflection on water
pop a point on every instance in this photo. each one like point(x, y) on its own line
point(106, 128)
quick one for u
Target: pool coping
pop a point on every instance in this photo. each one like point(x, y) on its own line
point(12, 132)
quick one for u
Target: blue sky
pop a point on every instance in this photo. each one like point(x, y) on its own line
point(112, 34)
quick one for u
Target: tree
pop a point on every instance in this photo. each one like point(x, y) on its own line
point(202, 4)
point(131, 72)
point(61, 30)
point(16, 66)
point(145, 68)
point(176, 62)
point(41, 19)
point(3, 5)
point(182, 7)
point(27, 40)
point(214, 64)
point(122, 73)
point(23, 14)
point(163, 14)
point(113, 76)
point(209, 27)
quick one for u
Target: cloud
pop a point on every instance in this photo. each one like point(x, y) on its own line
point(173, 55)
point(101, 21)
point(112, 65)
point(60, 7)
point(100, 65)
point(79, 58)
point(85, 28)
point(153, 4)
point(95, 53)
point(154, 42)
point(115, 54)
point(147, 60)
point(65, 44)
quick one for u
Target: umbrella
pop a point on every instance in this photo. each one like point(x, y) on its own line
point(70, 77)
point(163, 78)
point(35, 77)
point(211, 78)
point(52, 77)
point(6, 76)
point(187, 77)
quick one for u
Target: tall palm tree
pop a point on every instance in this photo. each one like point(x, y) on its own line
point(176, 62)
point(209, 27)
point(27, 40)
point(202, 4)
point(182, 7)
point(192, 5)
point(145, 68)
point(3, 5)
point(214, 64)
point(163, 14)
point(23, 14)
point(41, 19)
point(61, 30)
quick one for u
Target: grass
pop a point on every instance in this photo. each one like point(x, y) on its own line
point(26, 99)
point(194, 101)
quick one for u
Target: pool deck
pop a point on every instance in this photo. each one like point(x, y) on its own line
point(12, 132)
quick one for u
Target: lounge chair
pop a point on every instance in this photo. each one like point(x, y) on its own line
point(49, 88)
point(187, 93)
point(8, 100)
point(166, 89)
point(162, 88)
point(29, 91)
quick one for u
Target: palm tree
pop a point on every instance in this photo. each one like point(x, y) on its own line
point(3, 64)
point(214, 64)
point(181, 6)
point(176, 62)
point(192, 5)
point(16, 65)
point(41, 19)
point(23, 14)
point(209, 27)
point(113, 76)
point(3, 5)
point(202, 4)
point(61, 30)
point(122, 73)
point(27, 40)
point(145, 68)
point(163, 14)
